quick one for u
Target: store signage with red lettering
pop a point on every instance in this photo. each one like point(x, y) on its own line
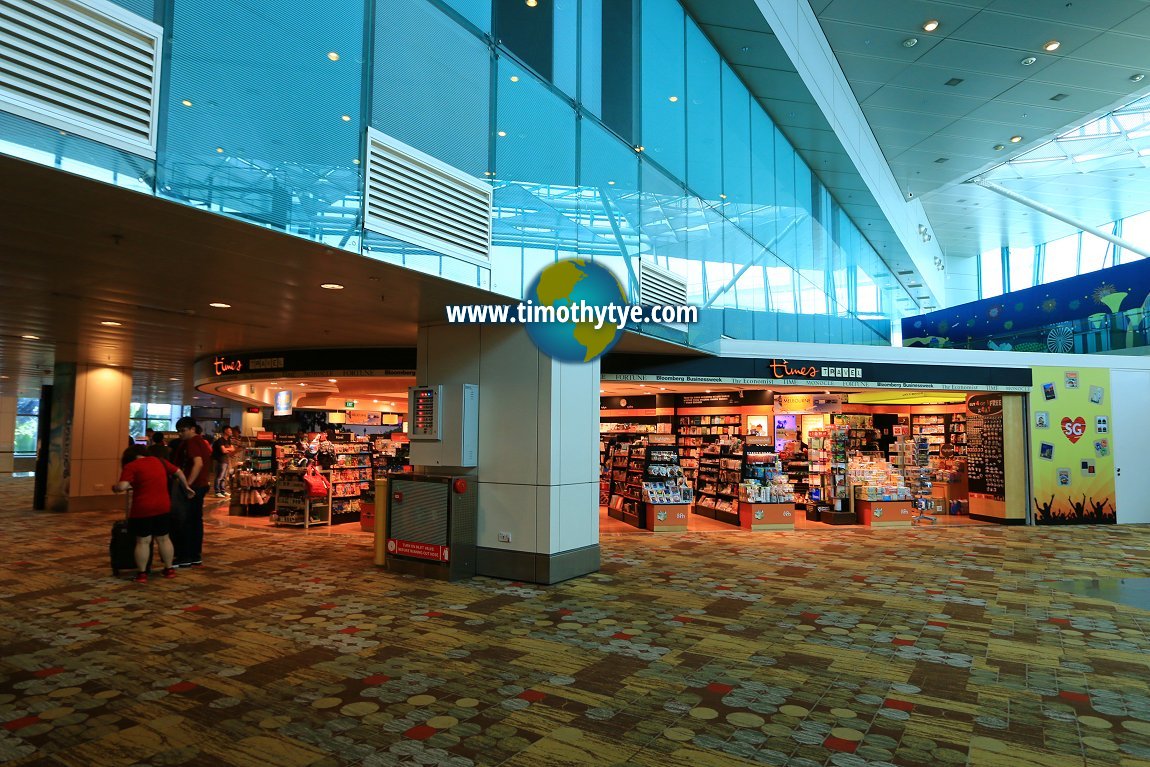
point(418, 550)
point(224, 365)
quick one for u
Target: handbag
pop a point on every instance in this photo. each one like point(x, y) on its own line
point(317, 484)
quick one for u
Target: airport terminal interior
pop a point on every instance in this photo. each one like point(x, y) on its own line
point(860, 503)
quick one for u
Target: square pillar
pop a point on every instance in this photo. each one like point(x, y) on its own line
point(89, 433)
point(538, 472)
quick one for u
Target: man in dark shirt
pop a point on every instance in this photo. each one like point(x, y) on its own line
point(222, 450)
point(193, 455)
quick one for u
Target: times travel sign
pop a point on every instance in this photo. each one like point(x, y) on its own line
point(304, 363)
point(781, 371)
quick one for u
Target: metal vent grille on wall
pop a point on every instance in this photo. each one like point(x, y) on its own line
point(415, 198)
point(658, 286)
point(90, 68)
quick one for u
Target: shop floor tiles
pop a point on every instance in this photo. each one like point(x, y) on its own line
point(844, 648)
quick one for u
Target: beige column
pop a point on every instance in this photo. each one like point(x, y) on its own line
point(7, 433)
point(89, 434)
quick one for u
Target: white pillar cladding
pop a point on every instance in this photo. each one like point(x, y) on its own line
point(7, 434)
point(89, 433)
point(538, 469)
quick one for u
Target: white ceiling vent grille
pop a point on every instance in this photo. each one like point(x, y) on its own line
point(417, 199)
point(658, 286)
point(89, 68)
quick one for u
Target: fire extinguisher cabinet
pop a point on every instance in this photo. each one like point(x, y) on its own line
point(432, 526)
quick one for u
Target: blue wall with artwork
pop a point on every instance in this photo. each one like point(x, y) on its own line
point(1102, 311)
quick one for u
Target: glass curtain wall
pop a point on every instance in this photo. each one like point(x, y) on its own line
point(609, 129)
point(1018, 268)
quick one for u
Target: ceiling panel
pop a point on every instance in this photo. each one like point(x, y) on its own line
point(935, 102)
point(760, 47)
point(779, 85)
point(964, 55)
point(1118, 50)
point(1089, 74)
point(906, 15)
point(1023, 34)
point(978, 85)
point(1096, 15)
point(905, 119)
point(877, 41)
point(814, 140)
point(797, 113)
point(869, 68)
point(1078, 100)
point(1138, 24)
point(726, 15)
point(1030, 121)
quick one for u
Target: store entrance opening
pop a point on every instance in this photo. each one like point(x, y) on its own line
point(692, 457)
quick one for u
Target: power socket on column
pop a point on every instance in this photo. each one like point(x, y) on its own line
point(504, 537)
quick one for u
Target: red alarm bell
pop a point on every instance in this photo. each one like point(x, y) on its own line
point(459, 485)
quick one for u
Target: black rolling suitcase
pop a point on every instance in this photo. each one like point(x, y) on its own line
point(122, 548)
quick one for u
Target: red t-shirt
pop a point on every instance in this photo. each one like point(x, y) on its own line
point(185, 451)
point(149, 479)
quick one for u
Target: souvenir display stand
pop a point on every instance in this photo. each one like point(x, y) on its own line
point(766, 498)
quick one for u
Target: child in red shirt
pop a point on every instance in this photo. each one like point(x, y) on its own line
point(151, 513)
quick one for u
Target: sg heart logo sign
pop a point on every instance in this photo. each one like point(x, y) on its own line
point(1073, 429)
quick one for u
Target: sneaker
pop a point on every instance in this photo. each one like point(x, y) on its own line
point(195, 563)
point(141, 578)
point(169, 572)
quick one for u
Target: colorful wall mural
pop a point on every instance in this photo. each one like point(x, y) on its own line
point(1103, 311)
point(1071, 447)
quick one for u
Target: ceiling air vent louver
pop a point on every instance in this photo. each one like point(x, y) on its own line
point(89, 68)
point(417, 199)
point(658, 286)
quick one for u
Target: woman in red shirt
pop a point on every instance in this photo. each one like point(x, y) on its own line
point(151, 512)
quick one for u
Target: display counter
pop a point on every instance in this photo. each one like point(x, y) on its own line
point(667, 517)
point(885, 513)
point(766, 516)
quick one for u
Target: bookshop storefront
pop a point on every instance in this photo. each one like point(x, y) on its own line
point(778, 444)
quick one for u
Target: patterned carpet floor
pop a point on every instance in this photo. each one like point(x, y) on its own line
point(845, 647)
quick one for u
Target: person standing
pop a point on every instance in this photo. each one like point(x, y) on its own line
point(150, 514)
point(193, 455)
point(157, 448)
point(222, 450)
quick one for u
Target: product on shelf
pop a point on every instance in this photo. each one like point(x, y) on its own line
point(764, 480)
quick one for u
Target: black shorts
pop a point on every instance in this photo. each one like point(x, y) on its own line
point(145, 527)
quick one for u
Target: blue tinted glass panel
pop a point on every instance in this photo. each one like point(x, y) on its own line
point(478, 12)
point(49, 146)
point(663, 85)
point(144, 8)
point(736, 140)
point(591, 56)
point(535, 130)
point(704, 126)
point(272, 138)
point(565, 51)
point(432, 84)
point(763, 219)
point(608, 201)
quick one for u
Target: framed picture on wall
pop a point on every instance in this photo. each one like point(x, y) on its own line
point(1096, 393)
point(1042, 420)
point(1102, 424)
point(1071, 379)
point(1049, 391)
point(1064, 477)
point(1046, 451)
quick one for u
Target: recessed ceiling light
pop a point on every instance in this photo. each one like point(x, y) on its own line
point(345, 118)
point(186, 103)
point(1051, 45)
point(930, 26)
point(722, 196)
point(302, 384)
point(514, 78)
point(28, 337)
point(1015, 139)
point(355, 161)
point(532, 3)
point(638, 149)
point(375, 400)
point(173, 379)
point(333, 56)
point(999, 147)
point(331, 286)
point(219, 305)
point(708, 391)
point(673, 99)
point(1137, 78)
point(502, 133)
point(610, 183)
point(111, 323)
point(219, 150)
point(333, 380)
point(910, 42)
point(1028, 61)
